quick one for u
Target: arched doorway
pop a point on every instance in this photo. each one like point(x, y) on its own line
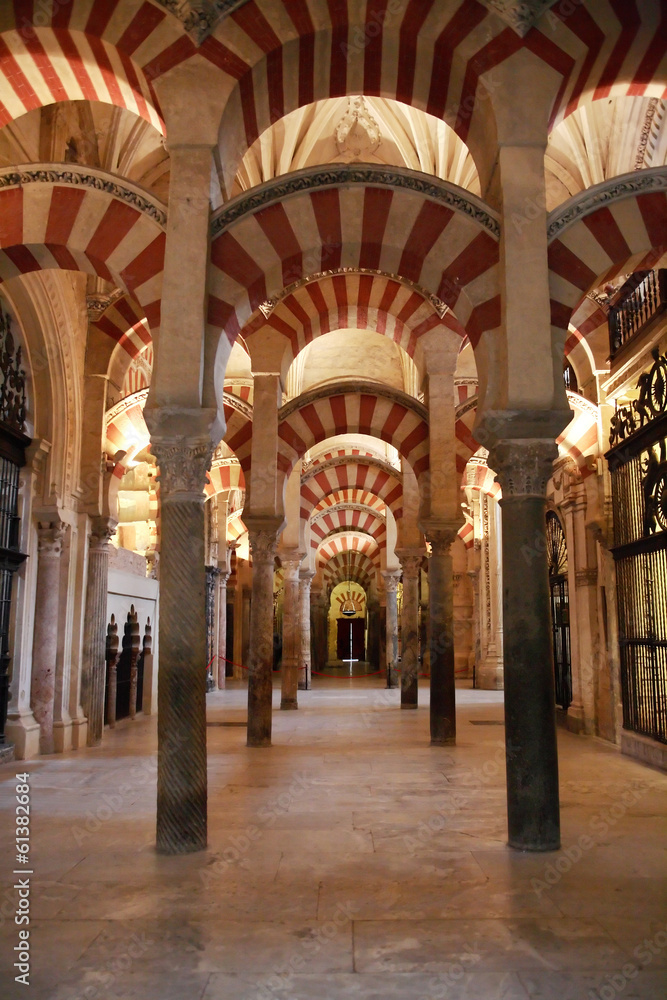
point(560, 609)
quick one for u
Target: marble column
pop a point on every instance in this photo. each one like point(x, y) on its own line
point(262, 533)
point(523, 468)
point(489, 675)
point(410, 560)
point(291, 631)
point(93, 667)
point(305, 661)
point(181, 778)
point(222, 629)
point(391, 580)
point(441, 616)
point(45, 641)
point(373, 652)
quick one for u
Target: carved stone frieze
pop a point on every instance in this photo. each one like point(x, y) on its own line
point(343, 173)
point(183, 465)
point(625, 186)
point(523, 467)
point(84, 177)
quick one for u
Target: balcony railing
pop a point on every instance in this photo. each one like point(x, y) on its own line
point(635, 309)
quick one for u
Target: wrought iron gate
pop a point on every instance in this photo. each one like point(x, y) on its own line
point(560, 609)
point(638, 463)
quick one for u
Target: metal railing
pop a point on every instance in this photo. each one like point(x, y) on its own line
point(636, 309)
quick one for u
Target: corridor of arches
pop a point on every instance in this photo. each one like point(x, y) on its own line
point(332, 346)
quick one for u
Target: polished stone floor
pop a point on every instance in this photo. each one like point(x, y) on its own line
point(350, 860)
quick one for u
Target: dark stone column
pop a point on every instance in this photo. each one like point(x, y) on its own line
point(93, 666)
point(262, 532)
point(391, 580)
point(306, 657)
point(181, 776)
point(410, 560)
point(291, 631)
point(523, 468)
point(441, 615)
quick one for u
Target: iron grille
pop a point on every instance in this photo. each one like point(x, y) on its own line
point(560, 610)
point(638, 465)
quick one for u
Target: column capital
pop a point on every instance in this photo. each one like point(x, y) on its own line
point(410, 560)
point(306, 575)
point(523, 467)
point(392, 578)
point(290, 561)
point(50, 535)
point(440, 533)
point(102, 530)
point(183, 463)
point(263, 536)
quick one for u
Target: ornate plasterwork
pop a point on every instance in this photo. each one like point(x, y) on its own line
point(615, 189)
point(521, 15)
point(200, 17)
point(85, 177)
point(97, 303)
point(267, 307)
point(647, 125)
point(348, 141)
point(333, 175)
point(238, 404)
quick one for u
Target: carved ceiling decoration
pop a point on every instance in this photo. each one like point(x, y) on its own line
point(357, 134)
point(200, 17)
point(521, 15)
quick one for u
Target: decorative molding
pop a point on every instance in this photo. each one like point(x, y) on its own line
point(310, 469)
point(647, 125)
point(200, 17)
point(238, 404)
point(521, 15)
point(183, 465)
point(267, 307)
point(44, 173)
point(355, 386)
point(137, 398)
point(612, 190)
point(343, 174)
point(586, 577)
point(362, 508)
point(50, 536)
point(523, 468)
point(357, 113)
point(97, 303)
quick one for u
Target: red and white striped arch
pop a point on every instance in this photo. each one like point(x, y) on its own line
point(612, 48)
point(342, 519)
point(351, 223)
point(238, 429)
point(352, 564)
point(348, 496)
point(334, 484)
point(356, 302)
point(138, 375)
point(348, 544)
point(125, 427)
point(613, 230)
point(467, 534)
point(315, 416)
point(466, 445)
point(80, 228)
point(225, 474)
point(358, 596)
point(581, 438)
point(480, 477)
point(125, 322)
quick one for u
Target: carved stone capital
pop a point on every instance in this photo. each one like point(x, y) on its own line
point(391, 580)
point(291, 563)
point(263, 537)
point(410, 560)
point(183, 464)
point(50, 535)
point(523, 467)
point(101, 530)
point(586, 577)
point(440, 535)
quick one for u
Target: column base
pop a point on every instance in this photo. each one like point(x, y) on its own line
point(258, 744)
point(408, 706)
point(448, 741)
point(7, 754)
point(62, 736)
point(288, 704)
point(79, 733)
point(185, 848)
point(23, 732)
point(535, 848)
